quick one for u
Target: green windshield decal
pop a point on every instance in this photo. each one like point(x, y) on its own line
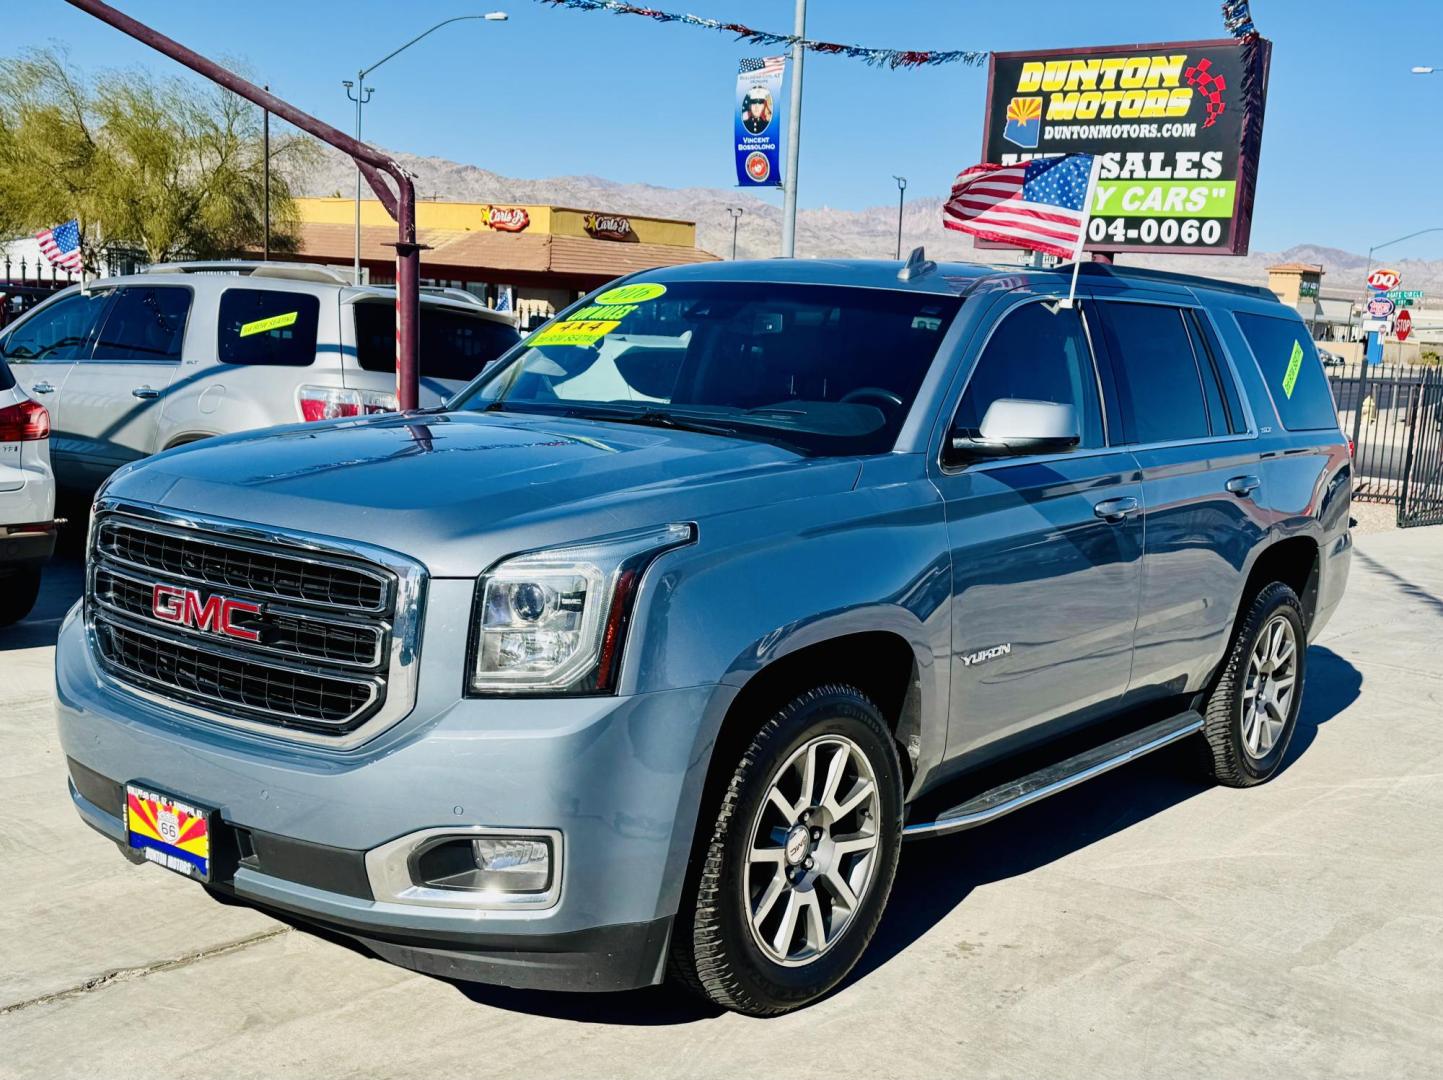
point(636, 293)
point(573, 332)
point(263, 326)
point(1295, 365)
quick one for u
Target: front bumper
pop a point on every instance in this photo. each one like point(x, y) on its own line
point(618, 777)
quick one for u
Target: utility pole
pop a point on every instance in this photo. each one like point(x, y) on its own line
point(794, 138)
point(266, 183)
point(736, 213)
point(901, 200)
point(360, 97)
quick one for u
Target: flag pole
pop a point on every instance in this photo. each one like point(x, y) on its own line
point(1082, 233)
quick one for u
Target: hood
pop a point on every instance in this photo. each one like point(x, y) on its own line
point(459, 490)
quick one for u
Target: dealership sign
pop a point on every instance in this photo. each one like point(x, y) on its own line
point(507, 218)
point(1177, 136)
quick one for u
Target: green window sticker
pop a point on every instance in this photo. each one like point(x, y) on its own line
point(636, 293)
point(265, 326)
point(1295, 365)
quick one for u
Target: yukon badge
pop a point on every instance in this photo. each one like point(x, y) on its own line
point(981, 656)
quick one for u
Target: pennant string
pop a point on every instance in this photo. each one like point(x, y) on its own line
point(892, 58)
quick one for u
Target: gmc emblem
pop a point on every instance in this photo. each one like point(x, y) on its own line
point(174, 604)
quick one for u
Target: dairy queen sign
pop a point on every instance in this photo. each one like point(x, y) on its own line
point(608, 227)
point(507, 218)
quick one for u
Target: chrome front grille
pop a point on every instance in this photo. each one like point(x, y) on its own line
point(311, 639)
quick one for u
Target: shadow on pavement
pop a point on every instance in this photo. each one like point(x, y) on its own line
point(61, 583)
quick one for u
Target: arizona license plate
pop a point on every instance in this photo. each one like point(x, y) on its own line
point(173, 833)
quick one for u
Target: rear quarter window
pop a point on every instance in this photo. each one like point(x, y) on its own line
point(7, 381)
point(264, 326)
point(1288, 360)
point(454, 344)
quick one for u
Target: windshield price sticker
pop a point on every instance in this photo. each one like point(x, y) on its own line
point(574, 332)
point(636, 293)
point(1295, 365)
point(264, 326)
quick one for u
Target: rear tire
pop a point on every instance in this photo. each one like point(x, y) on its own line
point(806, 836)
point(1253, 710)
point(18, 593)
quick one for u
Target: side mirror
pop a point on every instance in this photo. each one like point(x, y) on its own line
point(1015, 426)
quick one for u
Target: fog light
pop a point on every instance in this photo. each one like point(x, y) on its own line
point(489, 864)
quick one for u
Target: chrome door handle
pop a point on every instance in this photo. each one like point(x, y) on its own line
point(1115, 510)
point(1243, 486)
point(144, 392)
point(43, 388)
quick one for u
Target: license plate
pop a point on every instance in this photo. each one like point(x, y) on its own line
point(170, 832)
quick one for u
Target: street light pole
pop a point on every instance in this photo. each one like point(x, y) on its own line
point(266, 180)
point(736, 213)
point(363, 94)
point(901, 199)
point(794, 138)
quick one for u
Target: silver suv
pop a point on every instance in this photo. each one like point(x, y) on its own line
point(133, 365)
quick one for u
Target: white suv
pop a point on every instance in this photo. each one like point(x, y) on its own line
point(27, 498)
point(133, 365)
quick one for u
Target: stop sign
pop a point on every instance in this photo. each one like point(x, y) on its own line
point(1383, 280)
point(1403, 325)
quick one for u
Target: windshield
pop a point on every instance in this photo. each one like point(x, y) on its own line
point(820, 369)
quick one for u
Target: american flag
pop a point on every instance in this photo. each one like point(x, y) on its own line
point(61, 245)
point(766, 65)
point(1039, 205)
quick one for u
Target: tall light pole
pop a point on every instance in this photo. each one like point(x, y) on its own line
point(266, 180)
point(794, 138)
point(901, 200)
point(363, 94)
point(736, 212)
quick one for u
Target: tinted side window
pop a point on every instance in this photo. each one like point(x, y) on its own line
point(7, 381)
point(263, 326)
point(1209, 351)
point(1036, 355)
point(1289, 362)
point(61, 332)
point(1158, 385)
point(144, 323)
point(454, 345)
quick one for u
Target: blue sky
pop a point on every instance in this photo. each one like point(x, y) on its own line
point(1352, 145)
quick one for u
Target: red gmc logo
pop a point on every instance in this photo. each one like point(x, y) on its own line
point(174, 604)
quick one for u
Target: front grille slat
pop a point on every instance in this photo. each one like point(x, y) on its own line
point(321, 664)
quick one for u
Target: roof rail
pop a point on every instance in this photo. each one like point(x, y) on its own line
point(293, 271)
point(453, 294)
point(1197, 281)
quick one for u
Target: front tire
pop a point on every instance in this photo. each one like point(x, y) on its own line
point(1253, 710)
point(798, 859)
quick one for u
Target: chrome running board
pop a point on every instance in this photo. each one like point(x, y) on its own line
point(1036, 786)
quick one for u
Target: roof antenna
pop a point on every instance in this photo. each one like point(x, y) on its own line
point(916, 266)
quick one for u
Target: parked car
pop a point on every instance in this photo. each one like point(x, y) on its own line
point(1330, 359)
point(647, 653)
point(134, 365)
point(27, 499)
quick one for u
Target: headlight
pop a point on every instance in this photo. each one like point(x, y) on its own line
point(555, 621)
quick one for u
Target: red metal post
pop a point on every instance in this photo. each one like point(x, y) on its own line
point(401, 204)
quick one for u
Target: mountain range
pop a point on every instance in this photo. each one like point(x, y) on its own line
point(822, 232)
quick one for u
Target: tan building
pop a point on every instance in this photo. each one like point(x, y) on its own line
point(546, 255)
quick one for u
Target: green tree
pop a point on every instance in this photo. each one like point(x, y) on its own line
point(167, 166)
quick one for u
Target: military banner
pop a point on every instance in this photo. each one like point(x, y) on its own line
point(757, 122)
point(1177, 127)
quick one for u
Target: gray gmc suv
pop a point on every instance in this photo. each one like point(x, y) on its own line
point(642, 655)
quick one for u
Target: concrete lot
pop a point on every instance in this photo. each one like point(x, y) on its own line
point(1144, 925)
